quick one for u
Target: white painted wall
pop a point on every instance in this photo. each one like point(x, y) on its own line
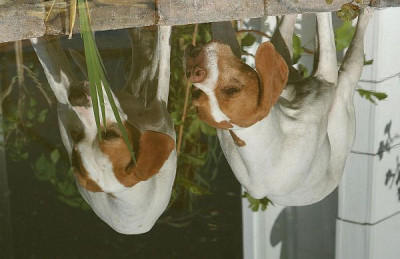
point(369, 220)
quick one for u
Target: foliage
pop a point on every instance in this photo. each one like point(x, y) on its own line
point(371, 96)
point(200, 151)
point(349, 11)
point(52, 169)
point(256, 204)
point(343, 35)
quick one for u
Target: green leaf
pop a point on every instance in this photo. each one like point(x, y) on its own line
point(297, 49)
point(344, 35)
point(256, 203)
point(248, 40)
point(368, 62)
point(207, 129)
point(329, 1)
point(55, 155)
point(42, 116)
point(348, 12)
point(372, 95)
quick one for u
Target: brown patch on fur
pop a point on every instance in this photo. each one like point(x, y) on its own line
point(200, 100)
point(82, 175)
point(238, 141)
point(244, 95)
point(119, 155)
point(273, 72)
point(154, 150)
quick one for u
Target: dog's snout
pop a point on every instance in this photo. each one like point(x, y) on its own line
point(197, 75)
point(189, 50)
point(79, 94)
point(196, 93)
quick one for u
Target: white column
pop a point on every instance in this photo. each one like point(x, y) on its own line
point(369, 196)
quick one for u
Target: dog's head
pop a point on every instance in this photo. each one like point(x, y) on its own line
point(227, 92)
point(107, 165)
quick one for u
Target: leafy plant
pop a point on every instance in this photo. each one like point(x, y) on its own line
point(199, 151)
point(372, 96)
point(344, 35)
point(256, 204)
point(51, 169)
point(349, 11)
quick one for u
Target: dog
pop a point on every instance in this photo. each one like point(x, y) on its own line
point(285, 139)
point(128, 196)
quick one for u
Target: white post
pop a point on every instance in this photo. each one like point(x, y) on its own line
point(369, 195)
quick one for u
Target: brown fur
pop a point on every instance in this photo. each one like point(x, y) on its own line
point(255, 92)
point(238, 141)
point(244, 95)
point(152, 151)
point(204, 110)
point(82, 175)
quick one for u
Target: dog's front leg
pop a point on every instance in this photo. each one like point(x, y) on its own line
point(55, 65)
point(325, 57)
point(341, 124)
point(282, 40)
point(353, 62)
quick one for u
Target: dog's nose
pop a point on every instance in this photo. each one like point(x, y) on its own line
point(196, 93)
point(196, 75)
point(189, 50)
point(79, 94)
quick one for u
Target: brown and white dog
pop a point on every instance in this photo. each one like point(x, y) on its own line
point(284, 140)
point(129, 197)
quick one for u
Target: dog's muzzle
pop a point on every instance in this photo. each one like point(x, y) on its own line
point(79, 94)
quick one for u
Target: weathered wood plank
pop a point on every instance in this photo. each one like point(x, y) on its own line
point(385, 3)
point(108, 15)
point(277, 7)
point(22, 19)
point(174, 12)
point(25, 21)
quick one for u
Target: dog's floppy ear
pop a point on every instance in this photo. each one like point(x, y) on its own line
point(154, 150)
point(273, 72)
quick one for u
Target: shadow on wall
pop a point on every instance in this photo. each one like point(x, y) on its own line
point(307, 232)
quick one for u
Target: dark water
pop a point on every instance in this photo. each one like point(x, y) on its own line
point(43, 215)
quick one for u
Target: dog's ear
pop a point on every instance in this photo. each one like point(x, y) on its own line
point(273, 72)
point(154, 150)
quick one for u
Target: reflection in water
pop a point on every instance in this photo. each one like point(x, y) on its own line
point(32, 140)
point(104, 168)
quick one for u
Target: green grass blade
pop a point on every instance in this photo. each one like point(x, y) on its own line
point(86, 35)
point(97, 78)
point(119, 122)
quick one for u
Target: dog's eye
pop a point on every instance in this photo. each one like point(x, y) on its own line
point(110, 134)
point(231, 91)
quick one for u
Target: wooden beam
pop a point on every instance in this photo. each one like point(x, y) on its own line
point(23, 19)
point(174, 12)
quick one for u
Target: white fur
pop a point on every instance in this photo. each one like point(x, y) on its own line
point(210, 83)
point(296, 155)
point(131, 210)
